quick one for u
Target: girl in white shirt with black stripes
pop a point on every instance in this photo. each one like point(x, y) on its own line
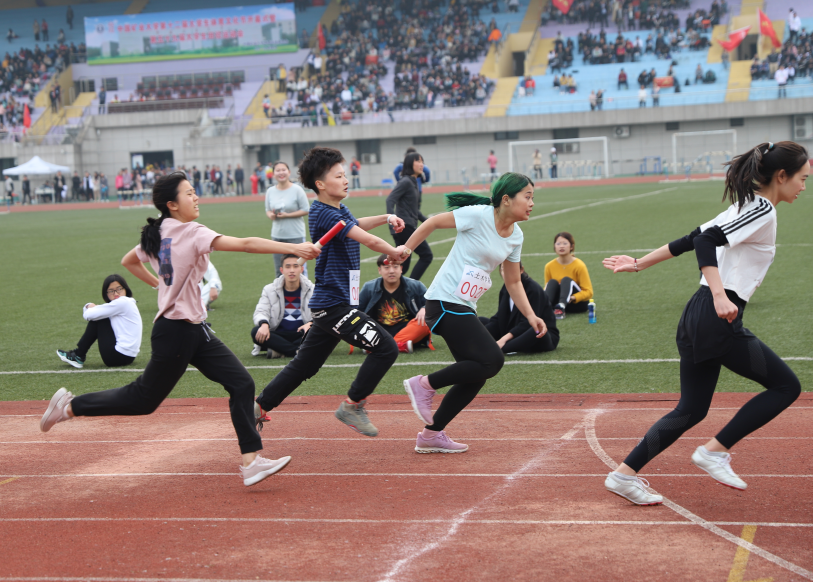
point(734, 251)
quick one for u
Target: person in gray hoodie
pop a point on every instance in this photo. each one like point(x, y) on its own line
point(283, 316)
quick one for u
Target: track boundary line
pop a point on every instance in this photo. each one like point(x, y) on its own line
point(404, 521)
point(406, 475)
point(590, 432)
point(428, 363)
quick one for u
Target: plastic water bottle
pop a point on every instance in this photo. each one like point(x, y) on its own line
point(591, 312)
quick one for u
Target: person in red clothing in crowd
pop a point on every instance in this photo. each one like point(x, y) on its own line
point(622, 80)
point(254, 183)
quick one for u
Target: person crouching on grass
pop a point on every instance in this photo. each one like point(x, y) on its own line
point(283, 316)
point(335, 300)
point(177, 247)
point(567, 282)
point(397, 303)
point(115, 324)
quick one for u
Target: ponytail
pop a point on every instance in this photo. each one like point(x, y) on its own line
point(750, 172)
point(164, 191)
point(509, 184)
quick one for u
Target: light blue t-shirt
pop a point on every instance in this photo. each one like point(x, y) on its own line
point(477, 251)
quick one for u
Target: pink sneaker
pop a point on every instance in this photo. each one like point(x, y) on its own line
point(420, 397)
point(56, 410)
point(440, 443)
point(260, 468)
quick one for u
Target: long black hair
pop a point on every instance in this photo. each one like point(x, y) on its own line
point(748, 173)
point(164, 191)
point(118, 279)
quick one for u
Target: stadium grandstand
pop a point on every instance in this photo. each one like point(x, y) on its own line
point(455, 79)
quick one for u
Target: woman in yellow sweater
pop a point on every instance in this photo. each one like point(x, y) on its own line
point(567, 282)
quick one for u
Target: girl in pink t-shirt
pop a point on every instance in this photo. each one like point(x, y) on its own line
point(178, 250)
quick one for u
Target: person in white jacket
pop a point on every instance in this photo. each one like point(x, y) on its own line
point(115, 325)
point(283, 316)
point(210, 287)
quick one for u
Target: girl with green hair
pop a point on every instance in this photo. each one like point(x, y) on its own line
point(487, 236)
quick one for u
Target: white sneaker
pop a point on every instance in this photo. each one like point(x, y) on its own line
point(260, 468)
point(719, 467)
point(56, 410)
point(256, 351)
point(632, 490)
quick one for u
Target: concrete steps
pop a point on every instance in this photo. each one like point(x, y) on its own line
point(501, 97)
point(739, 82)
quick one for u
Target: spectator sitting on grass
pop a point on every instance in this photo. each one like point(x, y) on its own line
point(511, 329)
point(567, 282)
point(283, 316)
point(397, 303)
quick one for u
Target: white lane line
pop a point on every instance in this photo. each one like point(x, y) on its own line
point(243, 519)
point(590, 432)
point(358, 440)
point(508, 362)
point(114, 579)
point(414, 551)
point(555, 409)
point(408, 475)
point(558, 212)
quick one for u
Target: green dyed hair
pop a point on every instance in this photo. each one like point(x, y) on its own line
point(509, 184)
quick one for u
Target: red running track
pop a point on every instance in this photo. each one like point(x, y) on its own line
point(158, 497)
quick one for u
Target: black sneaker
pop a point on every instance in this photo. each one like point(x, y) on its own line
point(559, 311)
point(71, 358)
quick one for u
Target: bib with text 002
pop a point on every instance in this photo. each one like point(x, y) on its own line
point(355, 277)
point(473, 283)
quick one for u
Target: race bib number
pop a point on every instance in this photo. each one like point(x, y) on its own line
point(355, 277)
point(473, 283)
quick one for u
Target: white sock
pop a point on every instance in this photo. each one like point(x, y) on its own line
point(713, 454)
point(429, 434)
point(624, 477)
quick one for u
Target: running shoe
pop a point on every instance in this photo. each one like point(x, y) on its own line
point(559, 311)
point(71, 358)
point(256, 350)
point(440, 443)
point(260, 468)
point(633, 490)
point(719, 467)
point(272, 355)
point(355, 416)
point(259, 416)
point(420, 397)
point(56, 410)
point(405, 347)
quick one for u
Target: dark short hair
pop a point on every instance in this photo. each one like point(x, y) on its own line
point(283, 163)
point(118, 279)
point(316, 164)
point(568, 237)
point(380, 260)
point(409, 163)
point(288, 256)
point(410, 150)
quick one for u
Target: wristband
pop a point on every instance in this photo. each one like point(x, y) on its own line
point(388, 219)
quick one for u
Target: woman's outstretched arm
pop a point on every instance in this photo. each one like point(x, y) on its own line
point(627, 264)
point(442, 220)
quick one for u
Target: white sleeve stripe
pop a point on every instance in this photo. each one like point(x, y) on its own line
point(728, 230)
point(763, 206)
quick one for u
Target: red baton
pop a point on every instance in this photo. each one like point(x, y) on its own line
point(326, 238)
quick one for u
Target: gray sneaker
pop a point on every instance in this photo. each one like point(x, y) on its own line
point(355, 416)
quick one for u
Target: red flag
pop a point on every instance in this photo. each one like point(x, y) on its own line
point(26, 117)
point(563, 5)
point(321, 35)
point(766, 28)
point(734, 39)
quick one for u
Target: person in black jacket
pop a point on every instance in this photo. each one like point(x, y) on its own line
point(239, 176)
point(404, 202)
point(511, 329)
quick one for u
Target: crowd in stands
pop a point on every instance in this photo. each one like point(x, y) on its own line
point(422, 43)
point(635, 14)
point(794, 57)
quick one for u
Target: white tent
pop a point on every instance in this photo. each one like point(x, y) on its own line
point(35, 166)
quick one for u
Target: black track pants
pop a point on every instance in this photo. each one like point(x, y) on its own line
point(101, 331)
point(748, 357)
point(280, 340)
point(476, 354)
point(175, 345)
point(526, 342)
point(562, 291)
point(330, 326)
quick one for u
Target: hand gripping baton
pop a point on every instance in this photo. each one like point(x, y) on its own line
point(326, 238)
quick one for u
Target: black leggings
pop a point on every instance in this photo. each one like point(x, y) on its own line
point(748, 357)
point(561, 292)
point(330, 326)
point(476, 354)
point(423, 250)
point(280, 340)
point(102, 331)
point(527, 342)
point(175, 345)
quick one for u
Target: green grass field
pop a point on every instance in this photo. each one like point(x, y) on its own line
point(54, 262)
